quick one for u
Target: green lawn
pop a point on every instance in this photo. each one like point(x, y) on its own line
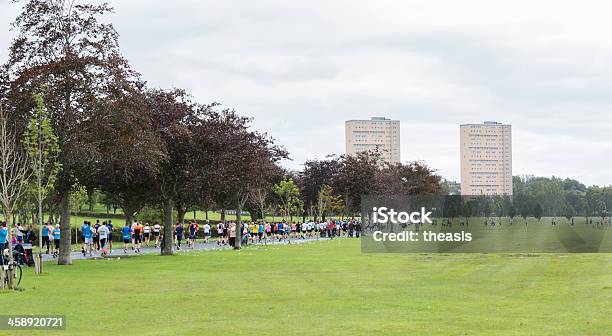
point(325, 288)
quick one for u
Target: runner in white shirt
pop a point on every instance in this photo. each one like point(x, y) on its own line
point(146, 231)
point(103, 236)
point(220, 233)
point(304, 229)
point(206, 232)
point(156, 233)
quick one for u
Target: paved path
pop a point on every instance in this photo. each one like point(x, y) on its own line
point(199, 246)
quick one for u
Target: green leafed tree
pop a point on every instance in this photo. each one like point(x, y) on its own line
point(42, 146)
point(288, 193)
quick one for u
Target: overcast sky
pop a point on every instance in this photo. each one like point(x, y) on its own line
point(301, 68)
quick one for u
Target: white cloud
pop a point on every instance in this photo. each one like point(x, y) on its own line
point(301, 68)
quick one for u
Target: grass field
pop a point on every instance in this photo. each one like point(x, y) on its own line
point(325, 288)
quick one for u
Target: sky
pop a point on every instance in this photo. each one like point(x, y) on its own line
point(301, 68)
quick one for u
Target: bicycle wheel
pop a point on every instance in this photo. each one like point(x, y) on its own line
point(18, 273)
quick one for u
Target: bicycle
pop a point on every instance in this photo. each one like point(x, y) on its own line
point(17, 270)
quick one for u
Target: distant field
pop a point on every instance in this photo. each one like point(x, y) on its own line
point(325, 288)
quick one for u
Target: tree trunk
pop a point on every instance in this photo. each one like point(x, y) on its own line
point(9, 241)
point(40, 229)
point(180, 210)
point(129, 217)
point(65, 234)
point(238, 241)
point(168, 228)
point(223, 216)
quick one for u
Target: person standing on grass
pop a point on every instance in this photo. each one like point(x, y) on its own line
point(147, 234)
point(127, 234)
point(137, 233)
point(103, 236)
point(178, 235)
point(156, 233)
point(206, 232)
point(111, 229)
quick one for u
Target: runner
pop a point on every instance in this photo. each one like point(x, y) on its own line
point(293, 230)
point(109, 225)
point(96, 238)
point(127, 233)
point(220, 231)
point(83, 237)
point(88, 234)
point(137, 234)
point(260, 231)
point(253, 229)
point(304, 230)
point(56, 240)
point(103, 236)
point(178, 235)
point(268, 233)
point(206, 232)
point(156, 233)
point(147, 234)
point(45, 237)
point(193, 230)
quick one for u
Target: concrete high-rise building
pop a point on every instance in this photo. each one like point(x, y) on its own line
point(486, 159)
point(377, 133)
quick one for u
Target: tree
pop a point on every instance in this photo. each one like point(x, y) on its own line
point(313, 176)
point(415, 178)
point(467, 210)
point(537, 211)
point(357, 177)
point(288, 193)
point(568, 211)
point(14, 175)
point(64, 45)
point(174, 116)
point(78, 198)
point(43, 150)
point(328, 202)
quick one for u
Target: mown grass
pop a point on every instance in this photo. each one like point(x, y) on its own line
point(325, 288)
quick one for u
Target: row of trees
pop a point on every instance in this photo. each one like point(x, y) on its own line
point(561, 197)
point(108, 131)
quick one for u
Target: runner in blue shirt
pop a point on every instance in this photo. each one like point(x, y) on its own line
point(88, 234)
point(126, 232)
point(56, 240)
point(45, 237)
